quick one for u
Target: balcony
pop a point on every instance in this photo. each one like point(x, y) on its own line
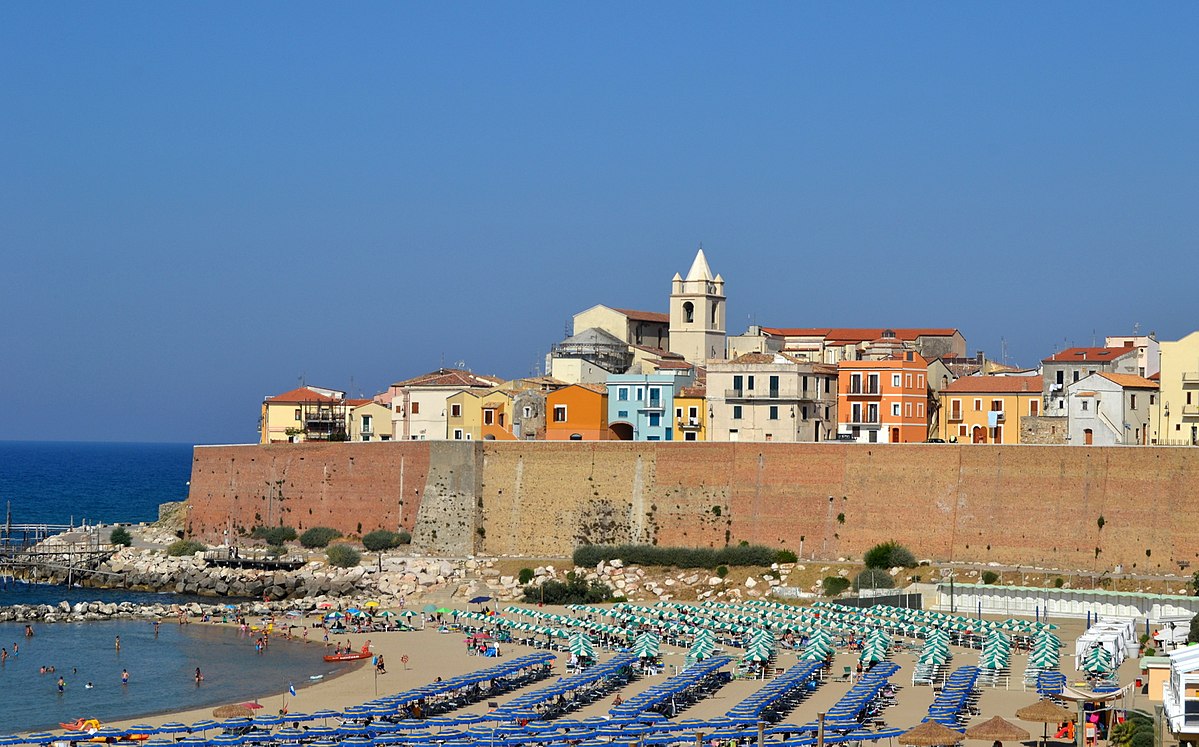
point(689, 424)
point(749, 394)
point(653, 404)
point(1000, 415)
point(863, 391)
point(1190, 377)
point(955, 416)
point(1190, 410)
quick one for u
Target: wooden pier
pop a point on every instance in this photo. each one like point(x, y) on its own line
point(76, 551)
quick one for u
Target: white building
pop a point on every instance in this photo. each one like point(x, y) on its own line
point(418, 405)
point(1109, 409)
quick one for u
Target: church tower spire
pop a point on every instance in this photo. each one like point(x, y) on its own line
point(697, 313)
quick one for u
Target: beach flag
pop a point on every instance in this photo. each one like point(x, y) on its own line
point(291, 689)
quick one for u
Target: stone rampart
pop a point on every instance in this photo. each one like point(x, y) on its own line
point(1020, 505)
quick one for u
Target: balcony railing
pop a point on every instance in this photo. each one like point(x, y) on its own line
point(772, 394)
point(689, 424)
point(955, 416)
point(863, 389)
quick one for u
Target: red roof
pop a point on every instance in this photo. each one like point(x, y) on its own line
point(358, 402)
point(854, 334)
point(1088, 355)
point(1130, 381)
point(645, 316)
point(450, 377)
point(995, 385)
point(300, 395)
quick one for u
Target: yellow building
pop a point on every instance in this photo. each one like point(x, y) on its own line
point(1176, 417)
point(481, 414)
point(369, 420)
point(691, 413)
point(464, 415)
point(987, 409)
point(308, 413)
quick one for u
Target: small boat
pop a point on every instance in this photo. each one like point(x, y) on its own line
point(81, 724)
point(350, 656)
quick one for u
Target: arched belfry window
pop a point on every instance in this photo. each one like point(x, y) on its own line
point(688, 312)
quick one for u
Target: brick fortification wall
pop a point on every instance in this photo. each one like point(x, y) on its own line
point(1008, 504)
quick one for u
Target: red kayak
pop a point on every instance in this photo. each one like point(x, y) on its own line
point(351, 656)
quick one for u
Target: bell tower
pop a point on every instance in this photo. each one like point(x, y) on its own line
point(697, 309)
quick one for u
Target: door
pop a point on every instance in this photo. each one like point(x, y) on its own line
point(1088, 437)
point(980, 435)
point(894, 435)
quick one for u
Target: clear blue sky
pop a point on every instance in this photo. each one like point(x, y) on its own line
point(202, 202)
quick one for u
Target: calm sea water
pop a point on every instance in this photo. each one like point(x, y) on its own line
point(56, 482)
point(51, 482)
point(161, 671)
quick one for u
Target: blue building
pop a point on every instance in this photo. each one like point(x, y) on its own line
point(640, 406)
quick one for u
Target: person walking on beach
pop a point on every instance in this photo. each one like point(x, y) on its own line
point(124, 676)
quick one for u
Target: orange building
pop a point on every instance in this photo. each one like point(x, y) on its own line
point(578, 412)
point(987, 409)
point(884, 400)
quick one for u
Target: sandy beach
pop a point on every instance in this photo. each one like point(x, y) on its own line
point(431, 654)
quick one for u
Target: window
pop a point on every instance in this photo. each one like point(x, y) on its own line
point(895, 409)
point(693, 412)
point(622, 393)
point(749, 380)
point(804, 412)
point(774, 412)
point(996, 405)
point(559, 413)
point(907, 409)
point(297, 413)
point(1132, 401)
point(856, 417)
point(872, 382)
point(907, 381)
point(736, 412)
point(961, 430)
point(1152, 399)
point(1061, 377)
point(655, 419)
point(501, 420)
point(678, 413)
point(737, 380)
point(1085, 405)
point(455, 410)
point(640, 394)
point(919, 381)
point(688, 312)
point(855, 383)
point(955, 409)
point(366, 423)
point(919, 409)
point(1034, 407)
point(895, 380)
point(774, 386)
point(488, 417)
point(416, 408)
point(827, 382)
point(872, 413)
point(805, 383)
point(457, 434)
point(1076, 375)
point(689, 436)
point(978, 405)
point(622, 413)
point(527, 412)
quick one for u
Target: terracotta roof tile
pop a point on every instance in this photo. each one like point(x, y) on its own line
point(1088, 355)
point(859, 334)
point(302, 394)
point(645, 316)
point(1130, 381)
point(696, 391)
point(995, 385)
point(451, 377)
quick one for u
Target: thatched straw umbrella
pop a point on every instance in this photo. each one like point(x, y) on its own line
point(930, 734)
point(1045, 712)
point(997, 729)
point(232, 711)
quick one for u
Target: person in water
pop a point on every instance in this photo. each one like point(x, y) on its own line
point(199, 676)
point(124, 676)
point(88, 686)
point(62, 685)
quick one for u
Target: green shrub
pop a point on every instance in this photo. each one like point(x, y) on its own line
point(526, 575)
point(889, 555)
point(1193, 633)
point(276, 551)
point(274, 535)
point(120, 536)
point(722, 570)
point(575, 590)
point(873, 578)
point(1059, 582)
point(318, 537)
point(383, 539)
point(831, 586)
point(185, 547)
point(990, 577)
point(785, 556)
point(343, 556)
point(678, 557)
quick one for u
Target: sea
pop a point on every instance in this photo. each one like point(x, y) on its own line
point(72, 482)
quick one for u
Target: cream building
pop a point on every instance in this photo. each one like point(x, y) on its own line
point(419, 410)
point(1176, 417)
point(370, 420)
point(771, 397)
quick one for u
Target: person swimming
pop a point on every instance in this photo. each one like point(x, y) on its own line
point(88, 686)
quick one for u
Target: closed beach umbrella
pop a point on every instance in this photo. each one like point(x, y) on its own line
point(930, 734)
